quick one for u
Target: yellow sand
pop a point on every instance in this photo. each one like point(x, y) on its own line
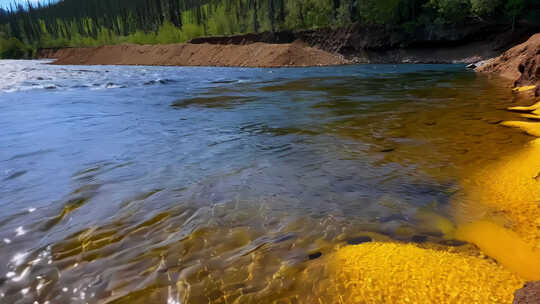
point(531, 128)
point(500, 213)
point(505, 246)
point(405, 273)
point(526, 109)
point(510, 189)
point(510, 192)
point(531, 116)
point(524, 88)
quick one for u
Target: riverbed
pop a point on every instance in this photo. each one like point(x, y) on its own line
point(143, 184)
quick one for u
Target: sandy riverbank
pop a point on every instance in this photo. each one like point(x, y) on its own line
point(294, 54)
point(512, 187)
point(498, 212)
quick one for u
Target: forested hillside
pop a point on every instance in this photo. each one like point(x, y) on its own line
point(98, 22)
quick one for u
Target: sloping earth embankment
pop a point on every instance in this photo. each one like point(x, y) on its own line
point(295, 54)
point(520, 64)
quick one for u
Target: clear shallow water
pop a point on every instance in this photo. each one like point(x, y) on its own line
point(196, 185)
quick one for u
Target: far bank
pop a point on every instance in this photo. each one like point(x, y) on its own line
point(321, 47)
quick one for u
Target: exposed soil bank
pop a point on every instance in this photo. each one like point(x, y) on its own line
point(521, 64)
point(295, 54)
point(464, 43)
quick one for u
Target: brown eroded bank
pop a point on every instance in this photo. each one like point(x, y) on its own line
point(465, 43)
point(520, 64)
point(294, 54)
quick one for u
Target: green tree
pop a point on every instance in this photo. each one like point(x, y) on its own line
point(484, 7)
point(97, 22)
point(514, 9)
point(450, 11)
point(12, 48)
point(379, 11)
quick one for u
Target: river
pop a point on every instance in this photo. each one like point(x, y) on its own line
point(204, 185)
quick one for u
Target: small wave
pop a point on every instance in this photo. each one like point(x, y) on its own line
point(109, 85)
point(80, 86)
point(112, 85)
point(224, 81)
point(15, 175)
point(159, 81)
point(211, 101)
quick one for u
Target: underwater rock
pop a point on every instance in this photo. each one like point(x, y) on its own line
point(315, 255)
point(419, 238)
point(529, 294)
point(359, 240)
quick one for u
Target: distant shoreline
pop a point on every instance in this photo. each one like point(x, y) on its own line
point(320, 47)
point(257, 55)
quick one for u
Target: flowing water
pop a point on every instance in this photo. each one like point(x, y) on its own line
point(216, 185)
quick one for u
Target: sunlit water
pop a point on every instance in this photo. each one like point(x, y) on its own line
point(199, 185)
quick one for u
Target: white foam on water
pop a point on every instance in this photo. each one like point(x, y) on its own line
point(20, 231)
point(19, 258)
point(32, 75)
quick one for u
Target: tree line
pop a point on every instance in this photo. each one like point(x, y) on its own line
point(24, 28)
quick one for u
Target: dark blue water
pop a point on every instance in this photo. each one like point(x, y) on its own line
point(114, 181)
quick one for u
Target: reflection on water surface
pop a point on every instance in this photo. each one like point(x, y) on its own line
point(220, 185)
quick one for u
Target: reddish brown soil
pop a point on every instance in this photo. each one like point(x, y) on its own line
point(529, 294)
point(521, 64)
point(467, 42)
point(294, 54)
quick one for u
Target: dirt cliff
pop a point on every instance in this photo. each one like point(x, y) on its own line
point(521, 64)
point(469, 42)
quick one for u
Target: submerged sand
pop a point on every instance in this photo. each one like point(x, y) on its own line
point(295, 54)
point(499, 213)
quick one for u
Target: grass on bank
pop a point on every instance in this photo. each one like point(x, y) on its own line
point(166, 34)
point(14, 48)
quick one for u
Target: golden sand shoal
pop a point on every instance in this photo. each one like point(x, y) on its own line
point(405, 273)
point(502, 217)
